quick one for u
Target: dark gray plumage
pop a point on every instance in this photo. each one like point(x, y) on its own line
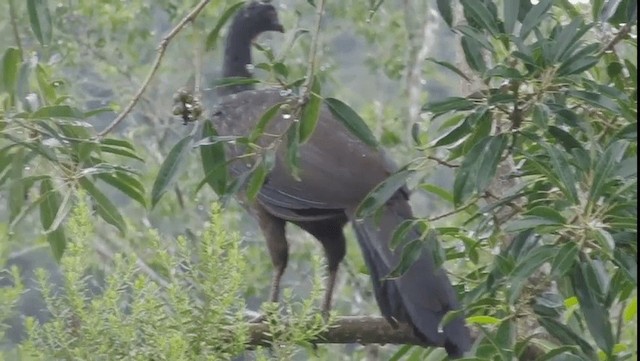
point(336, 172)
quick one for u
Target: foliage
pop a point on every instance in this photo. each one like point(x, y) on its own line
point(48, 142)
point(122, 313)
point(557, 109)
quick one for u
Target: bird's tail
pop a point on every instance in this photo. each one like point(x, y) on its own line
point(423, 294)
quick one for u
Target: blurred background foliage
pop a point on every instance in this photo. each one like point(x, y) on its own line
point(516, 119)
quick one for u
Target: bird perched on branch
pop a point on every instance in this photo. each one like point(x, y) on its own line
point(335, 172)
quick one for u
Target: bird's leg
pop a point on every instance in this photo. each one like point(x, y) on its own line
point(273, 229)
point(274, 294)
point(328, 292)
point(329, 233)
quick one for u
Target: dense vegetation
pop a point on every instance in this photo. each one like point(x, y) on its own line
point(519, 143)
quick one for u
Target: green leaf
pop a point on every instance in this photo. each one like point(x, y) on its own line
point(120, 151)
point(399, 234)
point(118, 143)
point(40, 20)
point(47, 91)
point(569, 35)
point(17, 190)
point(511, 10)
point(475, 35)
point(564, 138)
point(127, 185)
point(382, 192)
point(631, 310)
point(10, 64)
point(49, 209)
point(457, 133)
point(490, 160)
point(605, 240)
point(444, 7)
point(552, 354)
point(481, 14)
point(547, 213)
point(440, 192)
point(212, 38)
point(534, 17)
point(449, 66)
point(403, 350)
point(105, 209)
point(561, 166)
point(577, 65)
point(351, 121)
point(213, 160)
point(595, 313)
point(627, 263)
point(293, 141)
point(595, 99)
point(606, 165)
point(565, 259)
point(96, 111)
point(529, 222)
point(478, 167)
point(169, 169)
point(447, 105)
point(310, 112)
point(473, 54)
point(527, 267)
point(483, 320)
point(256, 181)
point(501, 71)
point(411, 252)
point(264, 120)
point(236, 80)
point(566, 335)
point(56, 111)
point(281, 69)
point(63, 210)
point(505, 339)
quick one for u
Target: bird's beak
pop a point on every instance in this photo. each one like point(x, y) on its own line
point(278, 27)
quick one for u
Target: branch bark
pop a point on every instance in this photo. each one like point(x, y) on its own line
point(348, 329)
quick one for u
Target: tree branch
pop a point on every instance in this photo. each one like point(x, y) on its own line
point(622, 33)
point(442, 162)
point(313, 52)
point(348, 329)
point(162, 47)
point(471, 202)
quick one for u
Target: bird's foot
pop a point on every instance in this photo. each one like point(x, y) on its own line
point(258, 319)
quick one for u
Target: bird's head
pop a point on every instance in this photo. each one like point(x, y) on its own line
point(258, 17)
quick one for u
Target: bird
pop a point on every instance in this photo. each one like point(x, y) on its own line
point(335, 173)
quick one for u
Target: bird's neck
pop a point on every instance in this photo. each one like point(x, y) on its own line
point(237, 55)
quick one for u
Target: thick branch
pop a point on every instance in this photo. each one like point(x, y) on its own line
point(348, 329)
point(162, 47)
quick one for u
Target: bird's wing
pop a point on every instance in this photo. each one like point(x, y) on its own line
point(336, 170)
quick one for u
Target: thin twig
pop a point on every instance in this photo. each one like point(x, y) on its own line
point(313, 51)
point(162, 47)
point(513, 205)
point(14, 26)
point(442, 162)
point(457, 210)
point(624, 31)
